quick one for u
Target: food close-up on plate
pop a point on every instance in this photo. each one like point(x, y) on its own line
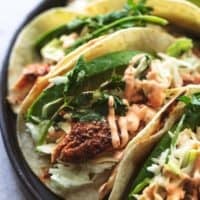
point(100, 99)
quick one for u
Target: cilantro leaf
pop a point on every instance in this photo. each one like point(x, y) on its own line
point(90, 106)
point(115, 82)
point(138, 8)
point(192, 110)
point(76, 76)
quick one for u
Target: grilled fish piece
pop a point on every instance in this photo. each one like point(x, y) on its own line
point(86, 140)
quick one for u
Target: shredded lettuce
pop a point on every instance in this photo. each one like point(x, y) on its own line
point(59, 80)
point(53, 51)
point(69, 177)
point(46, 148)
point(100, 167)
point(34, 130)
point(73, 176)
point(65, 126)
point(189, 157)
point(170, 166)
point(38, 132)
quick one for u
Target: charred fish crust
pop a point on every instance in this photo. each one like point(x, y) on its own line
point(86, 140)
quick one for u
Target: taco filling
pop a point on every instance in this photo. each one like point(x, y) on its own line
point(172, 170)
point(54, 45)
point(87, 117)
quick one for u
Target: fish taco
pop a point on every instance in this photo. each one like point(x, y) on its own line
point(60, 34)
point(75, 133)
point(168, 163)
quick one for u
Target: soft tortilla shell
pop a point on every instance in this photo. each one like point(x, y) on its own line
point(179, 12)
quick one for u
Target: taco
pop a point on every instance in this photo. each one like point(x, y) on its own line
point(59, 32)
point(171, 169)
point(82, 122)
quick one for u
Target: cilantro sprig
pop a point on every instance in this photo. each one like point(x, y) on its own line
point(133, 14)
